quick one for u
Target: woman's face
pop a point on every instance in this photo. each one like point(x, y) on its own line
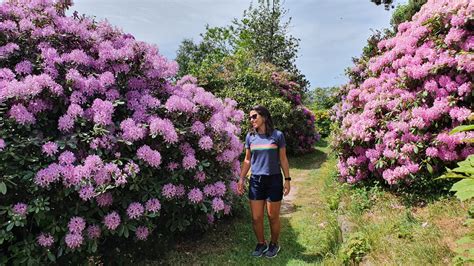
point(256, 120)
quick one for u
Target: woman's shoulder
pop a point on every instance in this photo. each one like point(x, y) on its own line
point(277, 133)
point(249, 135)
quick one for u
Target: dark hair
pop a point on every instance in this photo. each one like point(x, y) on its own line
point(262, 111)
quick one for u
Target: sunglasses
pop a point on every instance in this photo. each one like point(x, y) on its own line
point(253, 117)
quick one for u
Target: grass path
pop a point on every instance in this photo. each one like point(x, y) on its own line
point(383, 231)
point(308, 226)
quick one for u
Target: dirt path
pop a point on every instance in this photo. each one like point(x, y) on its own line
point(287, 205)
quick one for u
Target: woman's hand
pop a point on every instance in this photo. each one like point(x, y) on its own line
point(286, 188)
point(241, 185)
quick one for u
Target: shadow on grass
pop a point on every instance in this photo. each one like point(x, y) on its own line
point(308, 161)
point(292, 250)
point(322, 143)
point(229, 243)
point(232, 244)
point(418, 194)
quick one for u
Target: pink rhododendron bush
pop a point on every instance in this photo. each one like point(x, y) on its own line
point(299, 125)
point(397, 110)
point(97, 142)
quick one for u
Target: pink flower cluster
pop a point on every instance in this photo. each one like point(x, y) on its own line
point(74, 238)
point(395, 116)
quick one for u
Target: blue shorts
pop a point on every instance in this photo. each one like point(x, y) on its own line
point(266, 187)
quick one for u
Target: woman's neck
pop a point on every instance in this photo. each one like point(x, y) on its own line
point(261, 130)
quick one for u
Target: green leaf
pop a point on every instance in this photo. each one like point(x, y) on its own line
point(470, 159)
point(125, 232)
point(465, 163)
point(461, 128)
point(94, 247)
point(450, 175)
point(464, 189)
point(3, 188)
point(51, 257)
point(429, 167)
point(121, 229)
point(463, 169)
point(10, 226)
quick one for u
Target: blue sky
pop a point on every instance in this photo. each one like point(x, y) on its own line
point(331, 31)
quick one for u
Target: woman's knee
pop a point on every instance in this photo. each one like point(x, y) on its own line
point(256, 219)
point(273, 217)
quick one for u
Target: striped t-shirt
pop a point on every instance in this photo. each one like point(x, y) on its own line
point(265, 159)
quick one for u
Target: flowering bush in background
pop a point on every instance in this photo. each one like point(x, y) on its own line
point(241, 77)
point(95, 140)
point(301, 133)
point(396, 113)
point(251, 83)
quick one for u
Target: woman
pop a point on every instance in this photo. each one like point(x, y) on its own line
point(265, 152)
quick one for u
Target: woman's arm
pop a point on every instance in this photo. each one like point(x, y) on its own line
point(244, 170)
point(285, 166)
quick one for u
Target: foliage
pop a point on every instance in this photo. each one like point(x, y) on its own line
point(386, 3)
point(263, 32)
point(207, 56)
point(465, 170)
point(393, 121)
point(322, 122)
point(464, 191)
point(464, 188)
point(405, 12)
point(249, 82)
point(252, 62)
point(355, 248)
point(323, 98)
point(96, 142)
point(320, 101)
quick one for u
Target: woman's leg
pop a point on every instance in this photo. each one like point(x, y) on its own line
point(258, 207)
point(273, 211)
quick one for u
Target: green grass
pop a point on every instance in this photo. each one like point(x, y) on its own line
point(401, 234)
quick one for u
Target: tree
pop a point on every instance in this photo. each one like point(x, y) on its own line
point(217, 43)
point(387, 3)
point(264, 31)
point(261, 32)
point(252, 61)
point(405, 12)
point(323, 98)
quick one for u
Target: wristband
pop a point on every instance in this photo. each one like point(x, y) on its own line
point(287, 178)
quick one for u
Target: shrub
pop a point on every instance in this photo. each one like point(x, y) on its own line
point(394, 120)
point(355, 248)
point(96, 142)
point(250, 83)
point(323, 122)
point(464, 191)
point(235, 61)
